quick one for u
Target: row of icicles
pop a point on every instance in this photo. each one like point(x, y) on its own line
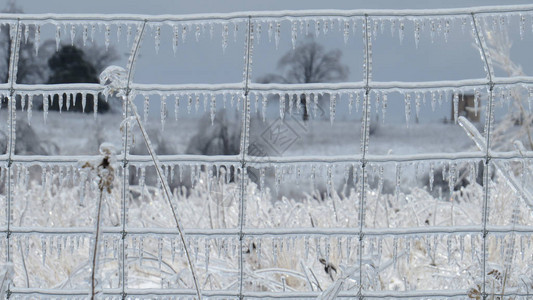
point(290, 102)
point(299, 26)
point(350, 174)
point(335, 249)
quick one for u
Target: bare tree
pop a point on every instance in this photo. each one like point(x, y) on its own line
point(308, 63)
point(32, 66)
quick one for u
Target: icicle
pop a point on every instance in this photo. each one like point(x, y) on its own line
point(357, 101)
point(444, 170)
point(277, 34)
point(95, 105)
point(141, 250)
point(327, 250)
point(207, 250)
point(431, 175)
point(175, 39)
point(119, 32)
point(522, 248)
point(128, 35)
point(433, 100)
point(375, 29)
point(407, 108)
point(163, 111)
point(142, 180)
point(294, 34)
point(146, 104)
point(225, 32)
point(259, 250)
point(213, 108)
point(69, 101)
point(315, 104)
point(29, 109)
point(329, 182)
point(446, 29)
point(530, 99)
point(401, 31)
point(306, 248)
point(317, 28)
point(277, 178)
point(346, 31)
point(417, 106)
point(449, 249)
point(275, 251)
point(384, 106)
point(43, 249)
point(211, 30)
point(417, 33)
point(37, 39)
point(176, 106)
point(157, 38)
point(85, 34)
point(235, 30)
point(281, 106)
point(93, 29)
point(451, 178)
point(184, 33)
point(197, 33)
point(45, 106)
point(196, 102)
point(107, 36)
point(291, 104)
point(455, 106)
point(72, 34)
point(83, 101)
point(159, 251)
point(395, 252)
point(350, 104)
point(398, 179)
point(270, 31)
point(522, 26)
point(408, 250)
point(58, 37)
point(264, 102)
point(26, 33)
point(189, 103)
point(332, 105)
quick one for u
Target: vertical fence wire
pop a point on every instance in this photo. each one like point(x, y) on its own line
point(243, 154)
point(364, 147)
point(12, 105)
point(125, 167)
point(486, 173)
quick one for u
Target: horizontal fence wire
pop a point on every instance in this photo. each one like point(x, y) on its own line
point(244, 160)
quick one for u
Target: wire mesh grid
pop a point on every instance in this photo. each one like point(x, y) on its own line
point(362, 239)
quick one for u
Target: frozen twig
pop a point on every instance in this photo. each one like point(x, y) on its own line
point(104, 170)
point(474, 134)
point(115, 80)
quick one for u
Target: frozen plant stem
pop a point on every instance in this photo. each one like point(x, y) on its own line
point(166, 191)
point(105, 174)
point(95, 247)
point(474, 134)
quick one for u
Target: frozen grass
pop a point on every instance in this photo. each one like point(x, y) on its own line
point(293, 262)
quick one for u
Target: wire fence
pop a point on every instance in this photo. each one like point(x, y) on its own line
point(357, 245)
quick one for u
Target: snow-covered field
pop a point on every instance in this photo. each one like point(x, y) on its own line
point(306, 241)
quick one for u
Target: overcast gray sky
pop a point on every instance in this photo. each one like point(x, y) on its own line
point(212, 6)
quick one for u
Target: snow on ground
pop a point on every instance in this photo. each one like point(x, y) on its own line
point(309, 261)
